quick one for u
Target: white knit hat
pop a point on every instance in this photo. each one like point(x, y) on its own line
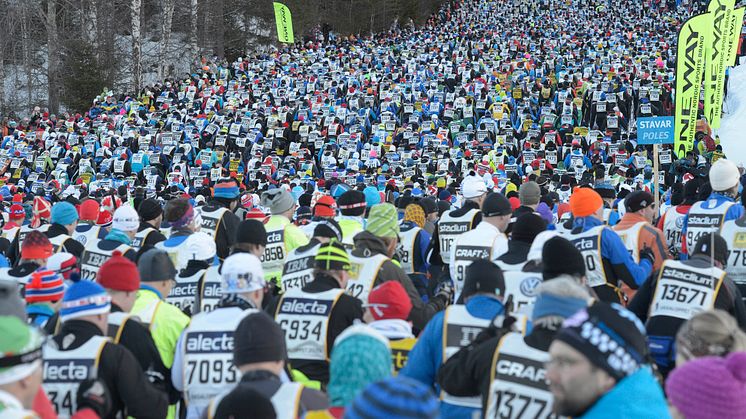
point(724, 175)
point(126, 218)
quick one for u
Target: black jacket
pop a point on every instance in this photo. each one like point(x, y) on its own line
point(119, 370)
point(517, 252)
point(433, 251)
point(728, 299)
point(136, 337)
point(345, 312)
point(70, 245)
point(153, 238)
point(225, 236)
point(267, 384)
point(468, 371)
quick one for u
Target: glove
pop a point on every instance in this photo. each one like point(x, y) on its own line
point(647, 253)
point(445, 290)
point(94, 395)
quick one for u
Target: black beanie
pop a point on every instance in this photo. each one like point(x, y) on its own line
point(352, 203)
point(715, 247)
point(485, 277)
point(609, 336)
point(559, 256)
point(527, 227)
point(258, 339)
point(149, 209)
point(328, 227)
point(251, 232)
point(245, 402)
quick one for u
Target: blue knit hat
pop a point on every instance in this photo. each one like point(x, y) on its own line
point(227, 190)
point(395, 398)
point(64, 213)
point(372, 197)
point(360, 356)
point(84, 298)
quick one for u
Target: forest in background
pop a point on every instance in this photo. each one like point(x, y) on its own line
point(60, 54)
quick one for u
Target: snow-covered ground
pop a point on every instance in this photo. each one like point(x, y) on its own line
point(732, 129)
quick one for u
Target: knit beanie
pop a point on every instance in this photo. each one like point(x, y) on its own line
point(119, 274)
point(241, 273)
point(16, 212)
point(325, 207)
point(527, 227)
point(258, 339)
point(724, 175)
point(89, 210)
point(529, 193)
point(395, 398)
point(20, 350)
point(104, 219)
point(609, 336)
point(709, 387)
point(585, 202)
point(483, 276)
point(226, 190)
point(36, 245)
point(11, 303)
point(415, 214)
point(332, 257)
point(64, 213)
point(126, 218)
point(84, 298)
point(328, 227)
point(559, 256)
point(244, 402)
point(45, 286)
point(278, 200)
point(256, 214)
point(360, 356)
point(198, 246)
point(149, 209)
point(251, 232)
point(389, 301)
point(156, 265)
point(352, 203)
point(372, 197)
point(383, 221)
point(712, 245)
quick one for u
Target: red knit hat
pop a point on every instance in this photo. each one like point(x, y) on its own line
point(389, 301)
point(16, 212)
point(45, 285)
point(36, 245)
point(104, 219)
point(89, 210)
point(325, 207)
point(119, 273)
point(256, 214)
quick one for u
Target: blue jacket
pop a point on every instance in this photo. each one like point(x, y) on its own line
point(713, 201)
point(427, 355)
point(638, 396)
point(614, 251)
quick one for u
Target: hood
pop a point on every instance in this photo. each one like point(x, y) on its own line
point(365, 241)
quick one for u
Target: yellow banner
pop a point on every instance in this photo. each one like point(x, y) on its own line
point(720, 14)
point(690, 61)
point(284, 23)
point(734, 36)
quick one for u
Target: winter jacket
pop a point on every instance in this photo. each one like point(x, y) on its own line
point(70, 245)
point(650, 236)
point(366, 245)
point(636, 396)
point(346, 311)
point(713, 201)
point(427, 355)
point(618, 263)
point(120, 371)
point(225, 236)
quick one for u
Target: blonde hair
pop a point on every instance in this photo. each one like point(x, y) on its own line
point(709, 333)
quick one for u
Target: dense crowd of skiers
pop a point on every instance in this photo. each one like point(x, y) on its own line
point(447, 221)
